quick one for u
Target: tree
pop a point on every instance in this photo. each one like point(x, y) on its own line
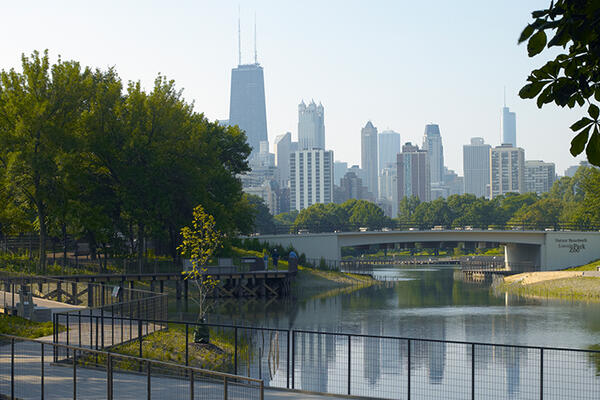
point(544, 213)
point(263, 220)
point(39, 111)
point(200, 241)
point(573, 77)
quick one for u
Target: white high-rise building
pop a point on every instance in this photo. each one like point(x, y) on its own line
point(509, 127)
point(388, 187)
point(389, 147)
point(368, 145)
point(507, 170)
point(539, 176)
point(311, 178)
point(476, 167)
point(432, 143)
point(283, 148)
point(311, 126)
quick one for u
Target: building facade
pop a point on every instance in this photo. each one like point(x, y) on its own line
point(339, 170)
point(432, 144)
point(311, 126)
point(476, 167)
point(388, 188)
point(247, 103)
point(389, 147)
point(283, 148)
point(507, 170)
point(311, 178)
point(413, 174)
point(368, 155)
point(509, 127)
point(539, 176)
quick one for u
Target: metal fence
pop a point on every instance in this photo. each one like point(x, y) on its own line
point(78, 373)
point(395, 367)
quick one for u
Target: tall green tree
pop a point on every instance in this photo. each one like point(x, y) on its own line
point(572, 78)
point(39, 110)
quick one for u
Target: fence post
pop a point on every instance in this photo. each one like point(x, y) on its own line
point(408, 372)
point(293, 356)
point(79, 326)
point(42, 370)
point(287, 385)
point(67, 318)
point(149, 384)
point(473, 371)
point(224, 388)
point(102, 321)
point(74, 374)
point(109, 377)
point(349, 361)
point(187, 345)
point(12, 368)
point(192, 385)
point(235, 350)
point(541, 373)
point(140, 335)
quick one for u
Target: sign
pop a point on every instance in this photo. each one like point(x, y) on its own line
point(574, 245)
point(116, 290)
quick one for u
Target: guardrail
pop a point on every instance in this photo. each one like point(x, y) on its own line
point(79, 372)
point(393, 367)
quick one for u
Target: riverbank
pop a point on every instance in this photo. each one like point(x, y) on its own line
point(578, 283)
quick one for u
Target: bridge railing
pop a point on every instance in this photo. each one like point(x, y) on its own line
point(391, 367)
point(78, 372)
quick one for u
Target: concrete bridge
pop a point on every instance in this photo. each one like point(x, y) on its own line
point(545, 250)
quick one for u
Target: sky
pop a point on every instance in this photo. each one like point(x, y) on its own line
point(400, 64)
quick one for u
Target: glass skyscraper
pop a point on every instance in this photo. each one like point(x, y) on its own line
point(247, 103)
point(432, 143)
point(509, 127)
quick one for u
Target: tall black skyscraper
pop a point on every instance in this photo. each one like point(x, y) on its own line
point(247, 102)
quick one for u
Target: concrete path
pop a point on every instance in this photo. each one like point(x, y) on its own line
point(91, 383)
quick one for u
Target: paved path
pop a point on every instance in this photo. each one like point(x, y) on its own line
point(92, 382)
point(6, 299)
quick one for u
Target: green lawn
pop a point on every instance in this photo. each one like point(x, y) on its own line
point(17, 326)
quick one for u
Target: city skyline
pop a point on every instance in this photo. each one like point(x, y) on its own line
point(463, 95)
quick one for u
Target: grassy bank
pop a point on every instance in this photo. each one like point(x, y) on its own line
point(17, 326)
point(569, 284)
point(169, 346)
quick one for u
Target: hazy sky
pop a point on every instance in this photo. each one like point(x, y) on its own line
point(400, 64)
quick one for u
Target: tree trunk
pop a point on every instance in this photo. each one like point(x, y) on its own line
point(43, 228)
point(64, 237)
point(140, 247)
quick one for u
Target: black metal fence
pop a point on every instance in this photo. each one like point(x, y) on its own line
point(393, 367)
point(26, 373)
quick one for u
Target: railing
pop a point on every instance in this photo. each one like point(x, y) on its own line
point(392, 367)
point(84, 373)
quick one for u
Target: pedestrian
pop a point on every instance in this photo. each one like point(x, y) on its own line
point(275, 256)
point(293, 261)
point(266, 259)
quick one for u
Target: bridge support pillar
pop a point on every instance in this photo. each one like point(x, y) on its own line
point(522, 257)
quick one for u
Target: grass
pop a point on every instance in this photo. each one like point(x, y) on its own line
point(593, 266)
point(17, 326)
point(169, 346)
point(576, 288)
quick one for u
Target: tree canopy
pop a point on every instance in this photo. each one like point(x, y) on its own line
point(82, 155)
point(572, 78)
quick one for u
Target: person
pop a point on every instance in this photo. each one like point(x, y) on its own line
point(266, 259)
point(293, 261)
point(275, 256)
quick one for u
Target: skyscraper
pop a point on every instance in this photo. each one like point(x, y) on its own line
point(311, 178)
point(507, 170)
point(509, 127)
point(432, 143)
point(539, 176)
point(476, 166)
point(311, 126)
point(389, 147)
point(339, 170)
point(247, 102)
point(413, 174)
point(283, 148)
point(368, 145)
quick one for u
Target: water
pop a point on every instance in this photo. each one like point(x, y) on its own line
point(426, 303)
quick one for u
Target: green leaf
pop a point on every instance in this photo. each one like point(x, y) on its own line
point(582, 123)
point(593, 148)
point(536, 43)
point(579, 141)
point(527, 32)
point(593, 111)
point(531, 90)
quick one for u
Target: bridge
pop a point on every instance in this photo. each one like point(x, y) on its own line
point(544, 250)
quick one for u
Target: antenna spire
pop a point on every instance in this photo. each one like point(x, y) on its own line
point(239, 38)
point(255, 54)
